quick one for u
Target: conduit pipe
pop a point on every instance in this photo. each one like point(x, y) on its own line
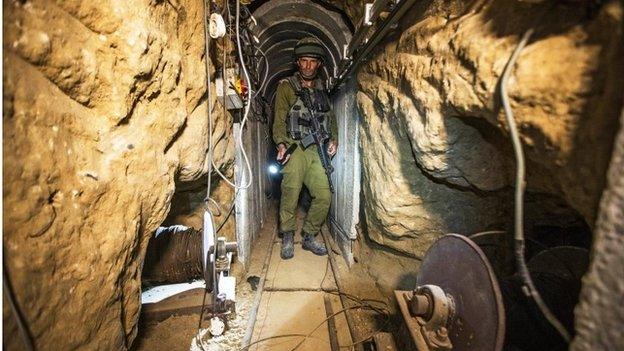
point(529, 286)
point(361, 53)
point(343, 300)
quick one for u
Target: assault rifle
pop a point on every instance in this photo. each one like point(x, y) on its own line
point(318, 135)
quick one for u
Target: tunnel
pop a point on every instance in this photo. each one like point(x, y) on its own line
point(476, 189)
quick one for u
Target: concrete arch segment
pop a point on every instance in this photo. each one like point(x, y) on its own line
point(281, 23)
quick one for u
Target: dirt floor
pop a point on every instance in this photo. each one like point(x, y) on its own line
point(292, 301)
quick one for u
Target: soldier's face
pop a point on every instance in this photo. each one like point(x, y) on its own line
point(308, 67)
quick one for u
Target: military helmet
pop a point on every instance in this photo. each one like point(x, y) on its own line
point(309, 47)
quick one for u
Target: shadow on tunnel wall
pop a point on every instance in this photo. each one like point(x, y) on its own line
point(565, 181)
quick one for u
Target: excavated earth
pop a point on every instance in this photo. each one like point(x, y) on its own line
point(436, 156)
point(104, 110)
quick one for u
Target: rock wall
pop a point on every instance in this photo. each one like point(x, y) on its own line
point(600, 313)
point(436, 155)
point(104, 110)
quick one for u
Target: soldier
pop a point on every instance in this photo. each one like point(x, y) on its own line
point(303, 166)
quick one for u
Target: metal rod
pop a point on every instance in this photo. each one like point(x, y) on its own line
point(343, 301)
point(256, 305)
point(395, 15)
point(331, 325)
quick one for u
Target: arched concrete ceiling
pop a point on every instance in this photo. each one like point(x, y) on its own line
point(281, 23)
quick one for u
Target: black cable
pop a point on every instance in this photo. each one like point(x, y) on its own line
point(21, 324)
point(361, 304)
point(229, 213)
point(325, 274)
point(206, 15)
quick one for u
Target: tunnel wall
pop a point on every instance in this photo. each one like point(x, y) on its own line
point(252, 205)
point(344, 212)
point(600, 314)
point(436, 156)
point(104, 110)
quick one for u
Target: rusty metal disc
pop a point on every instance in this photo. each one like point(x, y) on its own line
point(461, 269)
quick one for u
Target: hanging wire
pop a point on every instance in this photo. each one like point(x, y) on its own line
point(266, 71)
point(206, 15)
point(240, 144)
point(249, 98)
point(224, 65)
point(529, 287)
point(19, 319)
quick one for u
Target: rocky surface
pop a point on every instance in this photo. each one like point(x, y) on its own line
point(104, 110)
point(436, 155)
point(600, 314)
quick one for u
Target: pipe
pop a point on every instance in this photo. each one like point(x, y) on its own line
point(529, 287)
point(394, 16)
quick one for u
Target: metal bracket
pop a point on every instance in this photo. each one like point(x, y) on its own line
point(368, 14)
point(362, 43)
point(218, 259)
point(433, 309)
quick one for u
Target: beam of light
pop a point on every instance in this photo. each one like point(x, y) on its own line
point(273, 169)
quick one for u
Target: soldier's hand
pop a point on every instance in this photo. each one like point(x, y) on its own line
point(281, 150)
point(332, 147)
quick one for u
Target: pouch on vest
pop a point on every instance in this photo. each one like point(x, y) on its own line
point(298, 120)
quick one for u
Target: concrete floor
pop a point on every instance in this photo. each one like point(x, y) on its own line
point(292, 302)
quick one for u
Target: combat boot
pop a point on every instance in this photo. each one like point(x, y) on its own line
point(288, 245)
point(312, 245)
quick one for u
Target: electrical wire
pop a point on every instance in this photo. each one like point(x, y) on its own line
point(224, 65)
point(266, 71)
point(279, 337)
point(529, 287)
point(247, 107)
point(19, 319)
point(366, 304)
point(228, 214)
point(210, 160)
point(309, 334)
point(335, 271)
point(211, 164)
point(249, 100)
point(209, 90)
point(363, 306)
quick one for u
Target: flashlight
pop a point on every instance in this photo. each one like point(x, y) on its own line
point(275, 167)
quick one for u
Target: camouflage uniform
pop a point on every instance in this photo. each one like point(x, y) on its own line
point(304, 167)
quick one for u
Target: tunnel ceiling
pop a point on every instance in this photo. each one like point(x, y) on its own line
point(281, 23)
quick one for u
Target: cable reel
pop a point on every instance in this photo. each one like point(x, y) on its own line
point(217, 254)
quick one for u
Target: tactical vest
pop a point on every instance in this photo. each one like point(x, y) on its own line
point(298, 119)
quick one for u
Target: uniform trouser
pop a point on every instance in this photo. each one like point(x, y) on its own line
point(304, 167)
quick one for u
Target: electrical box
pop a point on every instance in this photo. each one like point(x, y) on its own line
point(229, 93)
